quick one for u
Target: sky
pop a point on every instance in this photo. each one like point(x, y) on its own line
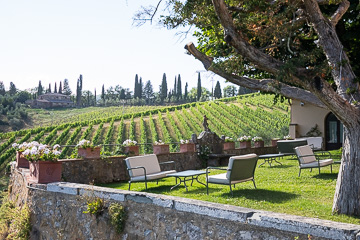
point(53, 40)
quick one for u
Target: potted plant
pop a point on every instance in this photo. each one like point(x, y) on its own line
point(258, 142)
point(130, 147)
point(44, 165)
point(87, 150)
point(186, 146)
point(21, 161)
point(288, 137)
point(159, 147)
point(229, 143)
point(245, 141)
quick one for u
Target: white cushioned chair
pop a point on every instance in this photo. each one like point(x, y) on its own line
point(240, 169)
point(307, 159)
point(146, 168)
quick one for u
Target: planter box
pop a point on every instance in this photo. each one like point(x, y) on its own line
point(274, 142)
point(259, 144)
point(229, 145)
point(131, 150)
point(246, 144)
point(21, 162)
point(89, 153)
point(187, 147)
point(161, 149)
point(45, 171)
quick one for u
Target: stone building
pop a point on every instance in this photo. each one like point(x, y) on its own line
point(51, 100)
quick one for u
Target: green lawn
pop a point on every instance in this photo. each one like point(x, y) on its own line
point(279, 189)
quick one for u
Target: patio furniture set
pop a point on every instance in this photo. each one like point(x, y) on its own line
point(240, 168)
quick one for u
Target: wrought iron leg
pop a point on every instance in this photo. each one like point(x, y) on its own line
point(254, 183)
point(129, 185)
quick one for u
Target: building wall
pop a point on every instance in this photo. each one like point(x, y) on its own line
point(304, 117)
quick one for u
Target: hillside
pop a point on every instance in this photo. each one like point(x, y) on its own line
point(252, 114)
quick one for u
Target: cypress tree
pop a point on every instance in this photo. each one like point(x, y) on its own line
point(217, 90)
point(95, 97)
point(186, 91)
point(198, 88)
point(49, 89)
point(79, 91)
point(163, 88)
point(175, 87)
point(141, 88)
point(55, 88)
point(136, 87)
point(2, 88)
point(103, 93)
point(60, 88)
point(179, 90)
point(40, 89)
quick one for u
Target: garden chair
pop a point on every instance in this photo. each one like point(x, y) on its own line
point(240, 169)
point(307, 158)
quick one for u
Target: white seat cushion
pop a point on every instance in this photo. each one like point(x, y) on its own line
point(152, 176)
point(221, 179)
point(322, 163)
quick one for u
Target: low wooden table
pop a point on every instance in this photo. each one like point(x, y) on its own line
point(269, 158)
point(189, 175)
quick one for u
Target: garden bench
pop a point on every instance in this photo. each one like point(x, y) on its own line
point(146, 168)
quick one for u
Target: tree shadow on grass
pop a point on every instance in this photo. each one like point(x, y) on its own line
point(327, 176)
point(263, 195)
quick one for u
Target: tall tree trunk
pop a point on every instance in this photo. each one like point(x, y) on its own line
point(347, 192)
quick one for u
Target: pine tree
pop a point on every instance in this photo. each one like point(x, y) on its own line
point(163, 88)
point(136, 87)
point(179, 90)
point(66, 89)
point(40, 89)
point(217, 90)
point(60, 88)
point(148, 92)
point(198, 96)
point(122, 94)
point(186, 91)
point(2, 89)
point(55, 88)
point(12, 90)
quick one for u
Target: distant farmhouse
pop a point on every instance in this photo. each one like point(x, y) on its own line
point(51, 100)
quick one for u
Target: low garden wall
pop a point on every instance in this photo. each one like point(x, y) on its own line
point(113, 169)
point(57, 212)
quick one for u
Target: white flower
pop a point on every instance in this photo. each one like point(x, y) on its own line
point(57, 153)
point(34, 151)
point(26, 152)
point(46, 151)
point(56, 146)
point(184, 141)
point(256, 139)
point(15, 145)
point(159, 142)
point(42, 147)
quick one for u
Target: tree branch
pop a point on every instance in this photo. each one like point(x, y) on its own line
point(339, 13)
point(265, 85)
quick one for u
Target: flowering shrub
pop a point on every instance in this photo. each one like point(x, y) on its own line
point(39, 152)
point(229, 139)
point(22, 147)
point(159, 142)
point(257, 139)
point(85, 144)
point(182, 141)
point(244, 138)
point(129, 142)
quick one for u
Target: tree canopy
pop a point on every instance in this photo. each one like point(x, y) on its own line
point(306, 50)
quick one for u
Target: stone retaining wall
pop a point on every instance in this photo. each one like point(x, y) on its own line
point(57, 212)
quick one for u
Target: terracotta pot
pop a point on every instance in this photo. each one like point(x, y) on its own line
point(131, 150)
point(229, 145)
point(187, 147)
point(89, 153)
point(246, 144)
point(161, 149)
point(45, 171)
point(259, 144)
point(274, 142)
point(21, 162)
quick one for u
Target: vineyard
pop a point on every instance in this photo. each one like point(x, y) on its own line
point(252, 114)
